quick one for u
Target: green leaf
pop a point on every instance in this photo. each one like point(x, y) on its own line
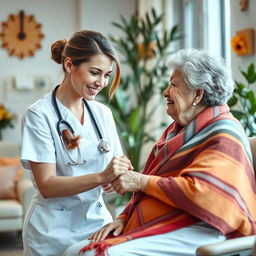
point(175, 33)
point(148, 21)
point(134, 120)
point(118, 26)
point(238, 114)
point(250, 69)
point(232, 101)
point(153, 11)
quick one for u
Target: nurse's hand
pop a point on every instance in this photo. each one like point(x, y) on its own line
point(119, 165)
point(130, 182)
point(116, 227)
point(108, 189)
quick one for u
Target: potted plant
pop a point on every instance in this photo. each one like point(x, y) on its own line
point(6, 119)
point(243, 101)
point(144, 48)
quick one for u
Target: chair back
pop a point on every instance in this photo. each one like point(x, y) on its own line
point(252, 141)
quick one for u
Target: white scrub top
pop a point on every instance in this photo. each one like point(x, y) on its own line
point(51, 225)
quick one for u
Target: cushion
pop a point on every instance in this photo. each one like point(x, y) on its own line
point(4, 161)
point(10, 172)
point(10, 208)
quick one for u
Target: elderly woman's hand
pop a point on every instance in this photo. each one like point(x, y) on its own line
point(116, 227)
point(130, 182)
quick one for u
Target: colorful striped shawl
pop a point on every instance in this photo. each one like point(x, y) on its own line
point(199, 172)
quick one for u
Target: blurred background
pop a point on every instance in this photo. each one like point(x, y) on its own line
point(208, 24)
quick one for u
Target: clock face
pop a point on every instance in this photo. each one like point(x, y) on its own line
point(21, 35)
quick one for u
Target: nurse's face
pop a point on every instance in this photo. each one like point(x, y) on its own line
point(89, 78)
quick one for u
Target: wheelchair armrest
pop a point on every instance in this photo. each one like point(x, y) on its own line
point(226, 247)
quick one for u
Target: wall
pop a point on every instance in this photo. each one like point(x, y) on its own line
point(98, 14)
point(56, 24)
point(59, 19)
point(241, 20)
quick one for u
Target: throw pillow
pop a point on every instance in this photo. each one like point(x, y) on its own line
point(8, 182)
point(4, 161)
point(10, 173)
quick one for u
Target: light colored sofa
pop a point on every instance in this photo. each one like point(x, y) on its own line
point(12, 211)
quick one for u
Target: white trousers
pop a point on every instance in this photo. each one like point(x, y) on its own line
point(181, 242)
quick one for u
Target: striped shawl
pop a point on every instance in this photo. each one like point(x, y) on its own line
point(199, 172)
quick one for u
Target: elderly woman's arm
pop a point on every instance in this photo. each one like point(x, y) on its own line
point(131, 182)
point(196, 182)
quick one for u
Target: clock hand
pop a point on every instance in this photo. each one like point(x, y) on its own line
point(21, 34)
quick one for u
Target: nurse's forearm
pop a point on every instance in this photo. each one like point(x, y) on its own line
point(50, 185)
point(67, 186)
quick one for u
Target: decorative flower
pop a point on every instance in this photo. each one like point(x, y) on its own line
point(147, 51)
point(239, 46)
point(6, 118)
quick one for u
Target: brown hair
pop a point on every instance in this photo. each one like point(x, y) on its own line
point(70, 141)
point(81, 47)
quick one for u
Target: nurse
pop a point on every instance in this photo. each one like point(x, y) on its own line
point(71, 146)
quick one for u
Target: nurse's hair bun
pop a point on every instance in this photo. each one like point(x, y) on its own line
point(70, 141)
point(57, 49)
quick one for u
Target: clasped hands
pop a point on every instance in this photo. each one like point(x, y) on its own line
point(119, 175)
point(122, 177)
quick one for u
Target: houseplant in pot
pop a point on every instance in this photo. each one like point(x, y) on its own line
point(144, 48)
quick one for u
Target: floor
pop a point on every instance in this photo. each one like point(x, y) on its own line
point(10, 244)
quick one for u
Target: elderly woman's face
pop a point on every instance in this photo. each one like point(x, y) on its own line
point(179, 99)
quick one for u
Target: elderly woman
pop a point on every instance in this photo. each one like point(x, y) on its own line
point(198, 185)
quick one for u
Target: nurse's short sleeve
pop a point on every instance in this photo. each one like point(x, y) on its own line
point(37, 141)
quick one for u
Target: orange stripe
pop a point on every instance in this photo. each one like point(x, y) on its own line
point(220, 161)
point(212, 197)
point(154, 190)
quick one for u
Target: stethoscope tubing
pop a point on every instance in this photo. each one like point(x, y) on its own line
point(103, 145)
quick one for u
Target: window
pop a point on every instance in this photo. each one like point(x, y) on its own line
point(205, 24)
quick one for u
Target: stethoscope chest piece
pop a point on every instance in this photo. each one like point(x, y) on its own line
point(104, 147)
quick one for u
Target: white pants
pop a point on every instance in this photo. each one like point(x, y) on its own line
point(181, 242)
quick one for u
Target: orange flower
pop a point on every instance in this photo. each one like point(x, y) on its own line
point(238, 45)
point(149, 52)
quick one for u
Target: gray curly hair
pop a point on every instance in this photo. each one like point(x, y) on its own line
point(203, 71)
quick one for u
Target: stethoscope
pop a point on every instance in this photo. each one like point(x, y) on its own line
point(103, 146)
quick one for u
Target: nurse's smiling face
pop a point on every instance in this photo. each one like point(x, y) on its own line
point(89, 78)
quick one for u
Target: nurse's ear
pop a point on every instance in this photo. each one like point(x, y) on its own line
point(68, 64)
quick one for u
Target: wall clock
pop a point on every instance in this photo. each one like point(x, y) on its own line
point(21, 35)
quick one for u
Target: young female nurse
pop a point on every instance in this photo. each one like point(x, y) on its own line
point(71, 146)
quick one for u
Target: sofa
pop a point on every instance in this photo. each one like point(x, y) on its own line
point(16, 189)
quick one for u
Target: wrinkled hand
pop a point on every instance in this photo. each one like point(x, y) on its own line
point(116, 227)
point(130, 182)
point(118, 165)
